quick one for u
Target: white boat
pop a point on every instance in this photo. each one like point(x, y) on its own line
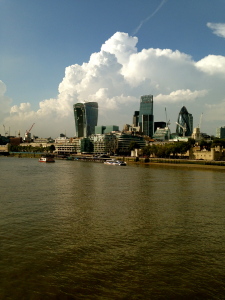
point(46, 159)
point(114, 162)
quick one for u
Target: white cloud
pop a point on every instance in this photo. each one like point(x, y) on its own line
point(216, 112)
point(4, 101)
point(22, 108)
point(116, 77)
point(217, 28)
point(180, 96)
point(212, 64)
point(2, 88)
point(121, 45)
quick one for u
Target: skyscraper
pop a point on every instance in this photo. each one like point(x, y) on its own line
point(86, 118)
point(135, 118)
point(185, 120)
point(220, 132)
point(146, 118)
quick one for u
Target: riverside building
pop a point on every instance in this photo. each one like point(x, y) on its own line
point(104, 143)
point(124, 140)
point(86, 118)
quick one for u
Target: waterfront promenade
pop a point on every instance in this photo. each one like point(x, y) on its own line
point(131, 160)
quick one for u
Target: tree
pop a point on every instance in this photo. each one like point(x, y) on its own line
point(191, 142)
point(51, 148)
point(146, 150)
point(218, 142)
point(134, 145)
point(205, 145)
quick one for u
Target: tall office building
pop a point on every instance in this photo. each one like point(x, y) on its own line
point(220, 132)
point(86, 118)
point(146, 118)
point(186, 121)
point(106, 129)
point(135, 119)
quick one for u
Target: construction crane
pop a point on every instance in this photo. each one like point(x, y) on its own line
point(200, 122)
point(167, 122)
point(27, 136)
point(5, 132)
point(183, 127)
point(27, 131)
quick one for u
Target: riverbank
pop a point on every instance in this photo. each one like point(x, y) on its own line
point(188, 166)
point(187, 162)
point(137, 160)
point(179, 163)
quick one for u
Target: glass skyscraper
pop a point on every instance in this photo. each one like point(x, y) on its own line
point(185, 120)
point(86, 118)
point(146, 118)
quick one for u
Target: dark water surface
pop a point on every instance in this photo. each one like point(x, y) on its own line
point(82, 230)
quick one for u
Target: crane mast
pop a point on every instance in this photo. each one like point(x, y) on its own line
point(183, 127)
point(167, 122)
point(27, 131)
point(200, 122)
point(27, 136)
point(5, 132)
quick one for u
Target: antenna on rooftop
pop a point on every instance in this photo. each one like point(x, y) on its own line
point(167, 122)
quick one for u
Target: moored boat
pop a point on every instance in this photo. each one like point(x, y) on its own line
point(114, 162)
point(46, 159)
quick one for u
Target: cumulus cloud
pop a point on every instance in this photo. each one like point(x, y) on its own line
point(116, 77)
point(22, 108)
point(217, 28)
point(212, 64)
point(180, 96)
point(4, 101)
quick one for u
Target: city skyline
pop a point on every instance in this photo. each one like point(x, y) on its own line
point(54, 55)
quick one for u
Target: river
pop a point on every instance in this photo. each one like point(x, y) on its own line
point(84, 230)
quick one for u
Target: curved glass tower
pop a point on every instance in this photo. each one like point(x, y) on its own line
point(186, 121)
point(146, 118)
point(86, 118)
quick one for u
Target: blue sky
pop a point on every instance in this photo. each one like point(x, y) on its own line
point(41, 38)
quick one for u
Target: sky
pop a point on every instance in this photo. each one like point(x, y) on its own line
point(56, 53)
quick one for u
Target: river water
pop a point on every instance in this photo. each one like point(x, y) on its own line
point(84, 230)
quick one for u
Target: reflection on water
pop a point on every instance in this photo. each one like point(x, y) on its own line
point(80, 230)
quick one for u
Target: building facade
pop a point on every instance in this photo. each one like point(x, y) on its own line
point(162, 134)
point(146, 118)
point(136, 119)
point(220, 132)
point(124, 141)
point(86, 118)
point(184, 123)
point(160, 124)
point(106, 129)
point(104, 143)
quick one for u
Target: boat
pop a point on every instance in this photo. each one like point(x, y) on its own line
point(46, 159)
point(114, 162)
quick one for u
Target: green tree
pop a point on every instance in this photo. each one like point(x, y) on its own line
point(206, 145)
point(146, 150)
point(191, 142)
point(218, 142)
point(134, 145)
point(51, 148)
